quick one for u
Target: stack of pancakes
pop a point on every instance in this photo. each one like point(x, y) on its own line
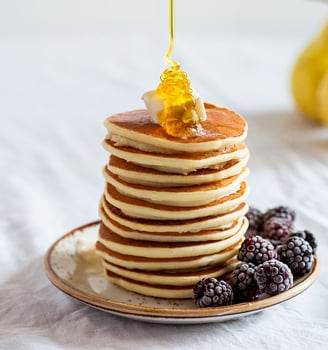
point(173, 209)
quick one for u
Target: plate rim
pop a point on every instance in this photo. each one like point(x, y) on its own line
point(125, 309)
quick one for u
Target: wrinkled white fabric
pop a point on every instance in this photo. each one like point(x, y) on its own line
point(55, 92)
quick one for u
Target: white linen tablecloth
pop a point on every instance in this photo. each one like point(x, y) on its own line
point(55, 92)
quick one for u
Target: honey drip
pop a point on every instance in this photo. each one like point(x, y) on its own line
point(179, 117)
point(170, 49)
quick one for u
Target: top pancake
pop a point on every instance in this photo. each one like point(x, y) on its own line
point(221, 128)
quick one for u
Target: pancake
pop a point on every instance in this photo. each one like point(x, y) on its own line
point(205, 235)
point(139, 208)
point(164, 277)
point(186, 196)
point(165, 250)
point(181, 163)
point(133, 173)
point(172, 264)
point(157, 290)
point(222, 128)
point(176, 285)
point(192, 225)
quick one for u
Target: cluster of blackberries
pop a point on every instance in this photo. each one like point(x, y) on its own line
point(271, 256)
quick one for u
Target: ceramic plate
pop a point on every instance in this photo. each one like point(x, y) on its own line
point(80, 276)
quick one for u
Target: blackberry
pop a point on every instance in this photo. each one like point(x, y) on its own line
point(243, 284)
point(308, 236)
point(211, 292)
point(279, 212)
point(256, 249)
point(277, 229)
point(255, 219)
point(273, 277)
point(251, 232)
point(297, 253)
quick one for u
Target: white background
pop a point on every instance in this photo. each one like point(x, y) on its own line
point(130, 15)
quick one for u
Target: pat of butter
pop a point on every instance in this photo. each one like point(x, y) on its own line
point(156, 104)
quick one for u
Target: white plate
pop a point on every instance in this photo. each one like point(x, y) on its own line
point(84, 281)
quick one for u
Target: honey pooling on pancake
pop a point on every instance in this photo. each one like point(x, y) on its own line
point(174, 104)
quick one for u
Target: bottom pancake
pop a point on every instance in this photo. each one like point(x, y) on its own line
point(172, 278)
point(168, 291)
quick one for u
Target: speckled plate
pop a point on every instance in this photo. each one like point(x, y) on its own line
point(83, 280)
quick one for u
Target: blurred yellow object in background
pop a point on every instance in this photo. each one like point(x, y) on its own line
point(309, 81)
point(323, 99)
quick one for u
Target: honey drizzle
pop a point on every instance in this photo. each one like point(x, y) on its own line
point(167, 58)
